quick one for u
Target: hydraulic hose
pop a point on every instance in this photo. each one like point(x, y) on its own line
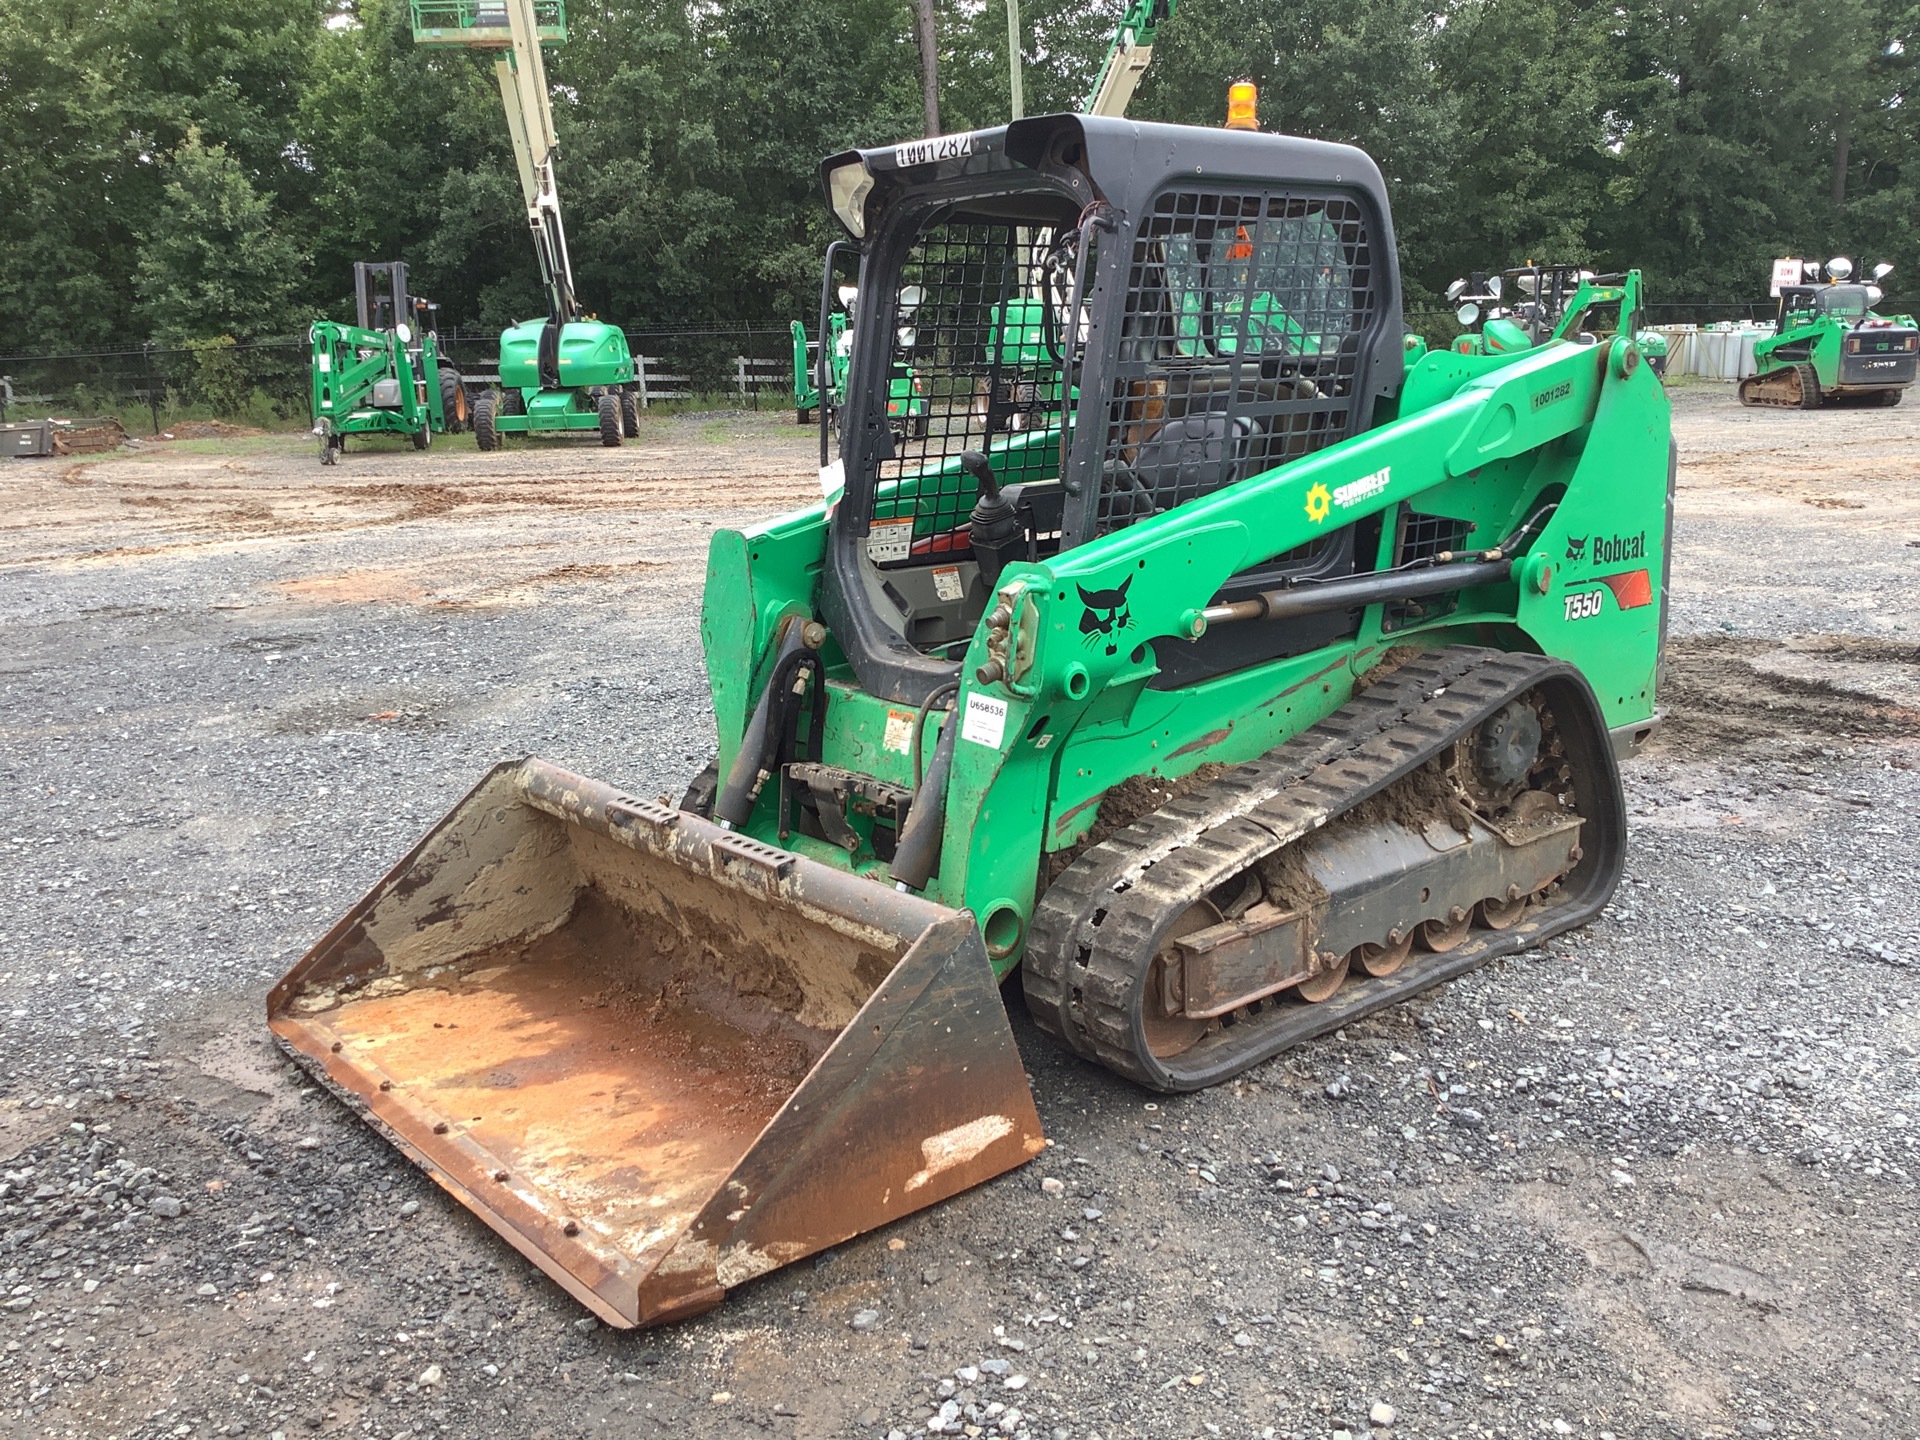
point(917, 855)
point(734, 802)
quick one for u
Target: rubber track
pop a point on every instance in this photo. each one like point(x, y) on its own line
point(1757, 399)
point(1099, 924)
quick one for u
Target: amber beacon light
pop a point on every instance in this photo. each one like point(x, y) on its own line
point(1243, 100)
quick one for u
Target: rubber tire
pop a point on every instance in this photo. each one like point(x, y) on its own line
point(453, 400)
point(610, 420)
point(484, 435)
point(423, 437)
point(802, 416)
point(629, 415)
point(701, 791)
point(512, 402)
point(328, 454)
point(1890, 398)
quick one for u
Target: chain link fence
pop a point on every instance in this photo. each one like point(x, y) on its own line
point(264, 383)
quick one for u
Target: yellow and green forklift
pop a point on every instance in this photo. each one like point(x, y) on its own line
point(384, 375)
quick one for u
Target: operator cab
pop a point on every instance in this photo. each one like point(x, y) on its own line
point(1121, 318)
point(1847, 302)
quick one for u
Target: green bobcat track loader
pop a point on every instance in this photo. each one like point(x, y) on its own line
point(383, 376)
point(1828, 345)
point(1281, 681)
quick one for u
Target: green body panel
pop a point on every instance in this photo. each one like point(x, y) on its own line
point(806, 395)
point(1024, 456)
point(551, 410)
point(347, 362)
point(754, 581)
point(591, 353)
point(1485, 439)
point(1017, 334)
point(903, 401)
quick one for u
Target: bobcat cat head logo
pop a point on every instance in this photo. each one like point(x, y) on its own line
point(1106, 614)
point(1576, 547)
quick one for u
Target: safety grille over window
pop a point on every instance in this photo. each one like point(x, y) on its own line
point(977, 367)
point(1246, 313)
point(1422, 537)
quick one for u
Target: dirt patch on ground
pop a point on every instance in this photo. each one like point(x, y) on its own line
point(209, 430)
point(356, 587)
point(256, 487)
point(1722, 691)
point(419, 502)
point(598, 572)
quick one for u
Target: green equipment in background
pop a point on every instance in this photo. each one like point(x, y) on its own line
point(383, 376)
point(1013, 387)
point(1283, 677)
point(1519, 308)
point(823, 373)
point(1829, 345)
point(568, 371)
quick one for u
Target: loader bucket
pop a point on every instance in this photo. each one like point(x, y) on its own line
point(658, 1057)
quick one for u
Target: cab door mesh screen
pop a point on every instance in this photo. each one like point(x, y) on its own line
point(1246, 313)
point(977, 367)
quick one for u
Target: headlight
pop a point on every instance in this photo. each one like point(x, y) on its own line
point(848, 187)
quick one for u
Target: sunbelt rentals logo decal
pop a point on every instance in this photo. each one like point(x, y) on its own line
point(1321, 501)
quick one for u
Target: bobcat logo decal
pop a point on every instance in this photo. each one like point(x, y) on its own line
point(1576, 547)
point(1106, 614)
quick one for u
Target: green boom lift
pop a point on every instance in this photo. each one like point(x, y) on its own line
point(1014, 390)
point(1829, 345)
point(383, 376)
point(1283, 679)
point(567, 371)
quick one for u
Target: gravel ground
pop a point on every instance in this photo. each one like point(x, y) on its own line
point(1657, 1180)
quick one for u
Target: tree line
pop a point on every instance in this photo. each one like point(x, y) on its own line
point(189, 170)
